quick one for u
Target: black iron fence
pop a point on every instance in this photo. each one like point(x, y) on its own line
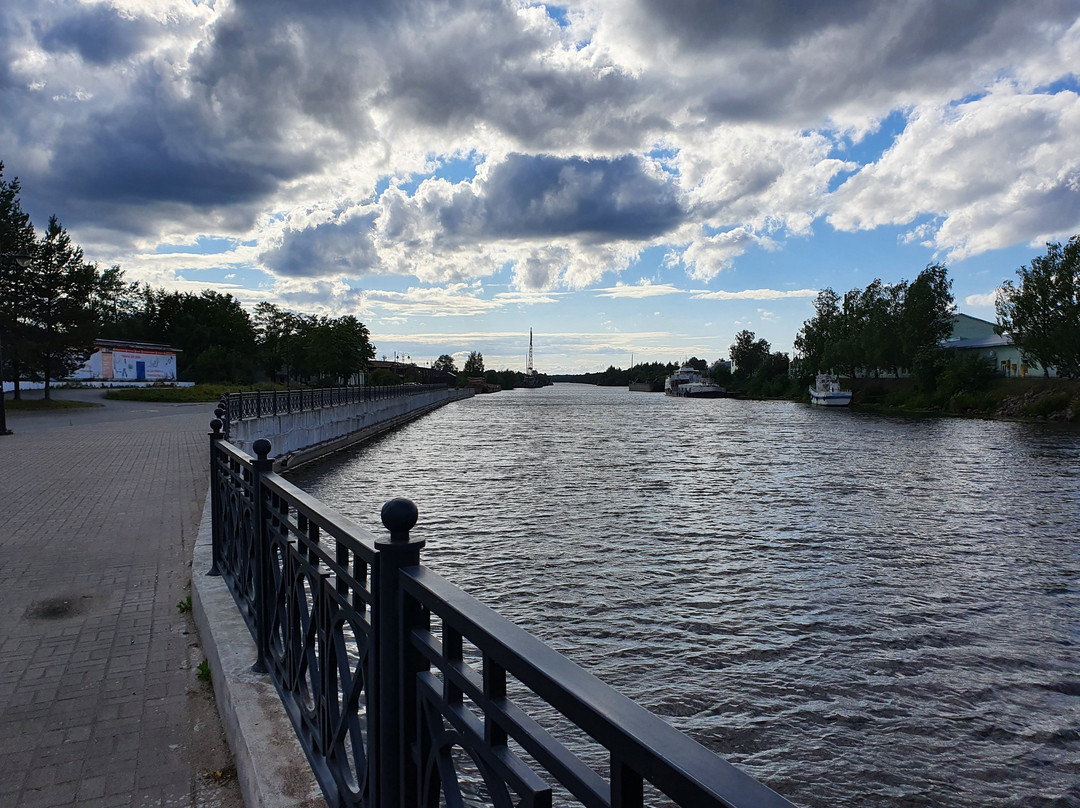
point(405, 691)
point(256, 404)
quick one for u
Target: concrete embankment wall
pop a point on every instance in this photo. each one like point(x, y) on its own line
point(301, 436)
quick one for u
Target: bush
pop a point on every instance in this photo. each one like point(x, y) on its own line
point(966, 373)
point(1045, 405)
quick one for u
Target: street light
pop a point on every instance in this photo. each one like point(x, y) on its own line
point(22, 258)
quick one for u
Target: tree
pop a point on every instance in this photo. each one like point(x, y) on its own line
point(445, 363)
point(925, 321)
point(817, 334)
point(277, 334)
point(747, 354)
point(474, 365)
point(350, 348)
point(1042, 314)
point(213, 331)
point(16, 233)
point(61, 318)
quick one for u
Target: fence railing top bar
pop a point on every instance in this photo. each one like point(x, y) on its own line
point(675, 763)
point(236, 453)
point(343, 529)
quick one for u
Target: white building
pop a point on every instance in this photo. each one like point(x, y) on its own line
point(127, 361)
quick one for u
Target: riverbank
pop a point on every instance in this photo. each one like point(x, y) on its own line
point(1036, 399)
point(1031, 399)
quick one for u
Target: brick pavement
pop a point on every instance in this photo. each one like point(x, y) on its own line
point(100, 706)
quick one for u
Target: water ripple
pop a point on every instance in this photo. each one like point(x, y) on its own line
point(856, 610)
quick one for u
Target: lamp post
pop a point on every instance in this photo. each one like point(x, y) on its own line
point(22, 258)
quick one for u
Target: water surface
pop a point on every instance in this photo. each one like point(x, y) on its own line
point(856, 610)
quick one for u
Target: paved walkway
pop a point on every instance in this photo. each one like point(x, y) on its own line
point(100, 705)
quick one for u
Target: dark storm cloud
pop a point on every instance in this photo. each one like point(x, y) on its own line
point(98, 33)
point(774, 23)
point(331, 248)
point(536, 196)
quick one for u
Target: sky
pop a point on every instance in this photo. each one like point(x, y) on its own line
point(633, 180)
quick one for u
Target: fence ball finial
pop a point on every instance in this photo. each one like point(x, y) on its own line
point(399, 516)
point(219, 411)
point(261, 448)
point(216, 425)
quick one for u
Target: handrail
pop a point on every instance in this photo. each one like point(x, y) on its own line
point(640, 743)
point(261, 403)
point(385, 668)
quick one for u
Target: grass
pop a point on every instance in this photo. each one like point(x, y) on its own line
point(184, 606)
point(41, 405)
point(1031, 398)
point(174, 395)
point(203, 672)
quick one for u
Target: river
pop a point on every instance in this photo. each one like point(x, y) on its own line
point(856, 610)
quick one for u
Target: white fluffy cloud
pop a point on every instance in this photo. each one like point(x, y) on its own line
point(994, 171)
point(323, 137)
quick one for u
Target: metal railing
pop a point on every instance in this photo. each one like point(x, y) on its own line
point(259, 403)
point(405, 691)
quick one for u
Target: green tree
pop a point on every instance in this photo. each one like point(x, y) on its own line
point(213, 331)
point(445, 363)
point(351, 348)
point(16, 233)
point(926, 320)
point(61, 318)
point(747, 354)
point(1042, 313)
point(818, 333)
point(474, 365)
point(277, 335)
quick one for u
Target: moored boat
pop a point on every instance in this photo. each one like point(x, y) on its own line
point(688, 383)
point(826, 392)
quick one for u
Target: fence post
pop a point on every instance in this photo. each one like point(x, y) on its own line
point(215, 495)
point(222, 412)
point(395, 785)
point(264, 585)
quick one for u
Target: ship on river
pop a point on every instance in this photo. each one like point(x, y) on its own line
point(826, 392)
point(688, 383)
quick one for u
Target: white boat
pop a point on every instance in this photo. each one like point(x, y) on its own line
point(688, 383)
point(826, 392)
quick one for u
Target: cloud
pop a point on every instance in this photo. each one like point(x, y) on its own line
point(708, 256)
point(320, 133)
point(99, 34)
point(757, 294)
point(982, 301)
point(642, 289)
point(994, 171)
point(340, 247)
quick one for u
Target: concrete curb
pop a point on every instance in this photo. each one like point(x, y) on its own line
point(271, 768)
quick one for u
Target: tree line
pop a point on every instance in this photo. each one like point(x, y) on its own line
point(889, 328)
point(884, 328)
point(1041, 311)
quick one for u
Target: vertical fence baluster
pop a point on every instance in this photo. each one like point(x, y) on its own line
point(215, 497)
point(264, 595)
point(395, 716)
point(495, 691)
point(626, 786)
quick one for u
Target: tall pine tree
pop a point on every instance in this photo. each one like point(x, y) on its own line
point(16, 233)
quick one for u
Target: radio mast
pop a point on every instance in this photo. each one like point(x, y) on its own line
point(529, 366)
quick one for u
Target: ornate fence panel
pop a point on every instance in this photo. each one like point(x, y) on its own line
point(232, 503)
point(405, 691)
point(239, 406)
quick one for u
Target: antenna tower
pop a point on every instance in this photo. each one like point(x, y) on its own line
point(529, 367)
